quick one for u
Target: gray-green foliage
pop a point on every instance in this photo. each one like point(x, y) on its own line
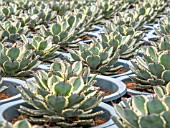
point(10, 31)
point(16, 62)
point(66, 31)
point(164, 26)
point(144, 112)
point(25, 124)
point(127, 37)
point(62, 97)
point(20, 124)
point(101, 56)
point(41, 47)
point(153, 68)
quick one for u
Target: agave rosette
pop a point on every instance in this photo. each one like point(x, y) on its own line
point(153, 68)
point(16, 62)
point(62, 97)
point(145, 112)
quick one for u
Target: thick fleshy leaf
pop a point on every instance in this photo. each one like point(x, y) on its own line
point(164, 60)
point(77, 67)
point(166, 76)
point(78, 84)
point(166, 116)
point(11, 67)
point(89, 103)
point(151, 121)
point(151, 51)
point(156, 69)
point(55, 29)
point(22, 124)
point(93, 61)
point(58, 103)
point(62, 88)
point(138, 104)
point(155, 106)
point(13, 53)
point(75, 99)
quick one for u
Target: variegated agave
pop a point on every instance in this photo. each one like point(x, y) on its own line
point(151, 9)
point(158, 5)
point(130, 19)
point(91, 14)
point(20, 124)
point(10, 32)
point(15, 62)
point(61, 7)
point(126, 36)
point(144, 112)
point(66, 32)
point(41, 47)
point(101, 56)
point(42, 15)
point(26, 4)
point(63, 97)
point(7, 11)
point(153, 68)
point(164, 26)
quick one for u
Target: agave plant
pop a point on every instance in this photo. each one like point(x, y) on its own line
point(66, 32)
point(92, 16)
point(26, 20)
point(158, 5)
point(108, 9)
point(151, 9)
point(24, 124)
point(15, 62)
point(153, 68)
point(164, 26)
point(162, 91)
point(61, 7)
point(101, 56)
point(42, 15)
point(130, 19)
point(20, 124)
point(63, 97)
point(144, 112)
point(26, 4)
point(10, 31)
point(41, 47)
point(126, 36)
point(7, 11)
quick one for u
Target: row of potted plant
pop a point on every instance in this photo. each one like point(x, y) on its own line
point(64, 94)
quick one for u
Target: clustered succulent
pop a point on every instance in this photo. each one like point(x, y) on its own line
point(164, 26)
point(101, 56)
point(41, 47)
point(20, 124)
point(63, 96)
point(144, 112)
point(15, 62)
point(126, 36)
point(153, 67)
point(35, 31)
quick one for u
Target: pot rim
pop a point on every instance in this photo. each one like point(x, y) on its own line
point(105, 106)
point(121, 88)
point(130, 90)
point(14, 80)
point(126, 73)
